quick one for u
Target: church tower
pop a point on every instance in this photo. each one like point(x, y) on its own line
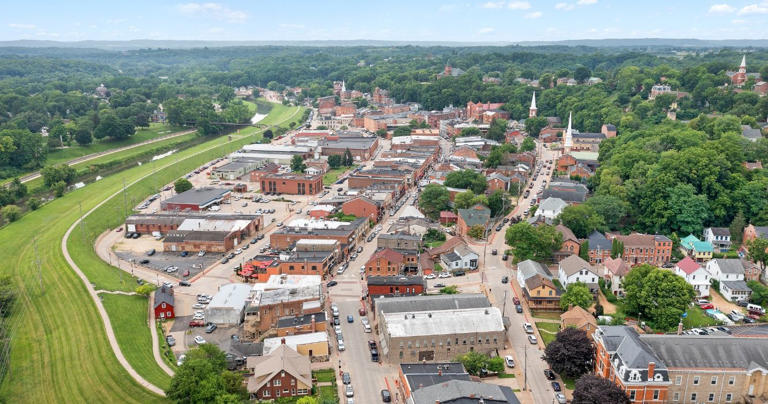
point(568, 136)
point(532, 111)
point(743, 65)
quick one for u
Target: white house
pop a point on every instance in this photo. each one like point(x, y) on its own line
point(730, 274)
point(529, 268)
point(312, 170)
point(719, 237)
point(615, 271)
point(460, 258)
point(551, 208)
point(695, 275)
point(575, 269)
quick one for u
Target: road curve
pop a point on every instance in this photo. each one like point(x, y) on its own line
point(87, 157)
point(100, 306)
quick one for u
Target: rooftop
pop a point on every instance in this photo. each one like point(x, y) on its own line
point(199, 196)
point(395, 280)
point(288, 281)
point(270, 344)
point(529, 268)
point(465, 392)
point(443, 322)
point(431, 303)
point(573, 264)
point(231, 295)
point(295, 321)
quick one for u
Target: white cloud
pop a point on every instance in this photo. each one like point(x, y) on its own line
point(446, 8)
point(494, 4)
point(23, 26)
point(534, 15)
point(754, 9)
point(292, 26)
point(519, 5)
point(737, 21)
point(586, 2)
point(564, 6)
point(721, 9)
point(216, 10)
point(485, 30)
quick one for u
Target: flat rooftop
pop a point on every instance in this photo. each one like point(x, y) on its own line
point(431, 302)
point(270, 344)
point(231, 295)
point(199, 196)
point(444, 322)
point(288, 281)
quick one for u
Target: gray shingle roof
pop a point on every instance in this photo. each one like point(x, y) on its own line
point(631, 351)
point(598, 240)
point(573, 264)
point(529, 268)
point(736, 285)
point(164, 295)
point(430, 303)
point(721, 231)
point(730, 265)
point(462, 391)
point(684, 351)
point(475, 215)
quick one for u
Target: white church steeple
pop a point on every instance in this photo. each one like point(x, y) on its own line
point(532, 111)
point(568, 137)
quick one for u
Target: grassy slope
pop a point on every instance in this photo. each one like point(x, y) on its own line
point(129, 321)
point(60, 352)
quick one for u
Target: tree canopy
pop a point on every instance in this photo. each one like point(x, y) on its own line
point(466, 179)
point(592, 389)
point(577, 294)
point(570, 354)
point(434, 199)
point(658, 296)
point(535, 243)
point(203, 378)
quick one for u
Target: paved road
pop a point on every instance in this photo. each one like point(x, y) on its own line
point(87, 157)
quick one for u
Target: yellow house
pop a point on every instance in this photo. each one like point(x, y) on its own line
point(541, 293)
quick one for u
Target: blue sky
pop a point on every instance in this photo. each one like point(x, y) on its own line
point(412, 20)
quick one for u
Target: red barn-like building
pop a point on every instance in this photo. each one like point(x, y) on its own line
point(164, 302)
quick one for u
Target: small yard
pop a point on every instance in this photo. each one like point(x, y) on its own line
point(433, 244)
point(324, 375)
point(548, 331)
point(548, 315)
point(333, 174)
point(697, 318)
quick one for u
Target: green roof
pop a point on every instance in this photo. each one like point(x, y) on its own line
point(475, 215)
point(688, 241)
point(702, 246)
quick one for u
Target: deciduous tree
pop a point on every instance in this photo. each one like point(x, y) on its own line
point(758, 251)
point(570, 354)
point(297, 164)
point(581, 219)
point(434, 199)
point(182, 185)
point(657, 295)
point(592, 389)
point(535, 243)
point(577, 294)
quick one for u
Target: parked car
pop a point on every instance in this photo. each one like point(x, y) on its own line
point(532, 339)
point(430, 276)
point(707, 306)
point(560, 398)
point(444, 274)
point(459, 273)
point(361, 312)
point(518, 308)
point(359, 249)
point(341, 345)
point(345, 378)
point(556, 386)
point(439, 285)
point(196, 323)
point(505, 279)
point(184, 254)
point(386, 396)
point(549, 374)
point(504, 257)
point(239, 251)
point(350, 319)
point(211, 328)
point(199, 340)
point(509, 361)
point(185, 283)
point(331, 283)
point(515, 300)
point(151, 252)
point(224, 260)
point(499, 227)
point(528, 328)
point(198, 306)
point(144, 262)
point(349, 391)
point(181, 360)
point(170, 340)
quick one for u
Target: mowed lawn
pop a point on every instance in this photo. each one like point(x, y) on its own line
point(129, 321)
point(59, 349)
point(548, 331)
point(333, 174)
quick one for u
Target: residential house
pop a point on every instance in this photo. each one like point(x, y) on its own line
point(654, 368)
point(639, 248)
point(730, 274)
point(541, 293)
point(385, 261)
point(574, 269)
point(752, 232)
point(719, 237)
point(694, 275)
point(599, 248)
point(571, 245)
point(464, 392)
point(568, 191)
point(163, 303)
point(282, 373)
point(312, 345)
point(701, 251)
point(460, 258)
point(551, 208)
point(448, 217)
point(752, 270)
point(578, 318)
point(478, 215)
point(529, 268)
point(399, 241)
point(750, 133)
point(615, 271)
point(497, 182)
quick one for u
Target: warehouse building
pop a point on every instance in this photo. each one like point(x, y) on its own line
point(196, 199)
point(228, 305)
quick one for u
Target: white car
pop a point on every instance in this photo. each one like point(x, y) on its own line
point(198, 317)
point(239, 251)
point(198, 306)
point(430, 276)
point(341, 345)
point(181, 360)
point(528, 328)
point(201, 253)
point(509, 361)
point(444, 274)
point(199, 340)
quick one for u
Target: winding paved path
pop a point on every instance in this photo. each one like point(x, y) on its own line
point(95, 293)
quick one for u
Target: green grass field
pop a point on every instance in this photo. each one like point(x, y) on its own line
point(129, 321)
point(60, 352)
point(547, 331)
point(155, 130)
point(697, 318)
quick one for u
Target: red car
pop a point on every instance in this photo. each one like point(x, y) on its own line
point(707, 306)
point(361, 311)
point(515, 300)
point(196, 323)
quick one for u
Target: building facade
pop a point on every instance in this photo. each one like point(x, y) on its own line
point(292, 184)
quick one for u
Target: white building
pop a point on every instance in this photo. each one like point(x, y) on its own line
point(228, 305)
point(551, 208)
point(695, 275)
point(574, 269)
point(460, 258)
point(719, 237)
point(730, 274)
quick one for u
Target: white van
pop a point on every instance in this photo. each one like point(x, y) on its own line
point(753, 308)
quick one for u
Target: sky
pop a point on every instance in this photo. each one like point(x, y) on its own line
point(414, 20)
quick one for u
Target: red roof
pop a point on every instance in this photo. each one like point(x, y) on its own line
point(389, 255)
point(447, 214)
point(688, 265)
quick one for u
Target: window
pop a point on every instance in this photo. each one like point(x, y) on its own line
point(695, 380)
point(678, 380)
point(714, 380)
point(293, 382)
point(632, 395)
point(655, 394)
point(728, 397)
point(676, 397)
point(731, 380)
point(277, 393)
point(265, 393)
point(276, 382)
point(693, 396)
point(711, 397)
point(401, 354)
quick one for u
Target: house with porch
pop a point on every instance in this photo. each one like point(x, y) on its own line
point(694, 275)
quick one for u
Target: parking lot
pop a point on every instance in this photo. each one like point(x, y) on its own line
point(171, 263)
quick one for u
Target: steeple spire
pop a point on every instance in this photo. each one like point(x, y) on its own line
point(532, 111)
point(743, 61)
point(343, 87)
point(568, 138)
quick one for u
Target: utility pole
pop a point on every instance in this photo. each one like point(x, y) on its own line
point(525, 369)
point(38, 263)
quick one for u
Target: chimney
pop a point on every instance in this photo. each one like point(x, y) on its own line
point(651, 368)
point(282, 341)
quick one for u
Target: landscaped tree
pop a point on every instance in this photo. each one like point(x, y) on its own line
point(203, 378)
point(268, 134)
point(449, 290)
point(495, 364)
point(535, 243)
point(334, 161)
point(570, 354)
point(145, 289)
point(593, 389)
point(527, 145)
point(182, 185)
point(466, 199)
point(62, 172)
point(737, 228)
point(467, 179)
point(11, 213)
point(402, 131)
point(83, 137)
point(297, 164)
point(497, 202)
point(581, 219)
point(477, 231)
point(470, 131)
point(757, 250)
point(577, 294)
point(434, 199)
point(584, 250)
point(617, 248)
point(656, 295)
point(348, 160)
point(474, 362)
point(534, 125)
point(381, 132)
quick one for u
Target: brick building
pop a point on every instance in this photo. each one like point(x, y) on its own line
point(348, 234)
point(259, 173)
point(196, 199)
point(282, 373)
point(292, 184)
point(302, 324)
point(385, 262)
point(363, 207)
point(194, 231)
point(163, 303)
point(645, 248)
point(325, 105)
point(268, 306)
point(399, 241)
point(477, 215)
point(395, 285)
point(361, 147)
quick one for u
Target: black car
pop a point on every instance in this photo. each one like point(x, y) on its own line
point(331, 283)
point(144, 262)
point(253, 241)
point(339, 189)
point(494, 252)
point(336, 321)
point(504, 257)
point(506, 220)
point(439, 285)
point(386, 396)
point(498, 228)
point(459, 273)
point(184, 283)
point(184, 254)
point(749, 320)
point(151, 252)
point(135, 235)
point(556, 386)
point(224, 260)
point(346, 379)
point(505, 279)
point(518, 308)
point(742, 303)
point(549, 373)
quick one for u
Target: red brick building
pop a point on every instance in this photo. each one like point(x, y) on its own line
point(385, 262)
point(292, 184)
point(282, 373)
point(325, 105)
point(362, 207)
point(475, 110)
point(163, 303)
point(396, 285)
point(639, 248)
point(346, 108)
point(258, 174)
point(477, 215)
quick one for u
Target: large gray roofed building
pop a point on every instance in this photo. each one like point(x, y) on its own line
point(430, 303)
point(465, 392)
point(718, 352)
